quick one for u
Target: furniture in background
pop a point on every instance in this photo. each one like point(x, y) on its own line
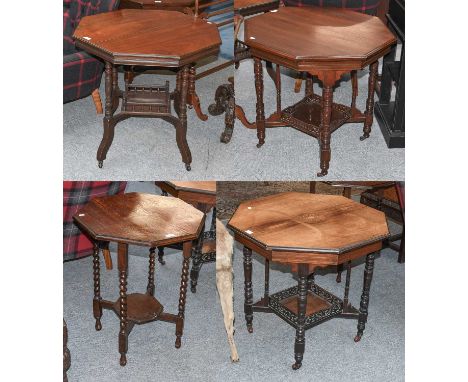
point(131, 37)
point(391, 113)
point(307, 231)
point(82, 71)
point(311, 47)
point(347, 188)
point(166, 5)
point(201, 195)
point(66, 352)
point(144, 220)
point(391, 201)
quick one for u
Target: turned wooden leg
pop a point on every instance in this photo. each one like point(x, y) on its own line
point(370, 101)
point(354, 83)
point(278, 89)
point(66, 352)
point(363, 309)
point(97, 308)
point(248, 292)
point(181, 129)
point(97, 101)
point(260, 120)
point(196, 262)
point(346, 293)
point(187, 249)
point(194, 101)
point(339, 271)
point(161, 255)
point(122, 251)
point(312, 187)
point(325, 134)
point(298, 83)
point(109, 124)
point(309, 86)
point(152, 257)
point(299, 345)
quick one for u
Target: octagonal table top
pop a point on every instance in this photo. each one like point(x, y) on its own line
point(204, 187)
point(302, 222)
point(321, 38)
point(141, 219)
point(147, 37)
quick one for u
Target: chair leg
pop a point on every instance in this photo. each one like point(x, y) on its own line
point(97, 101)
point(298, 83)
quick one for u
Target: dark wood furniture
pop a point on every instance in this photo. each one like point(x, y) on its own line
point(144, 220)
point(390, 200)
point(166, 5)
point(66, 352)
point(347, 188)
point(307, 231)
point(201, 195)
point(390, 112)
point(252, 7)
point(325, 43)
point(147, 38)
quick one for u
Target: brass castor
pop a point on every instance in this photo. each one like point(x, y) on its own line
point(178, 342)
point(98, 325)
point(100, 163)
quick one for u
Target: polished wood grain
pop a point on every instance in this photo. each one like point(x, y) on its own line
point(312, 38)
point(307, 231)
point(202, 195)
point(147, 37)
point(251, 7)
point(141, 219)
point(173, 5)
point(309, 223)
point(208, 187)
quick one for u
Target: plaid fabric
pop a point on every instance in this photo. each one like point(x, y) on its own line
point(75, 195)
point(81, 72)
point(363, 6)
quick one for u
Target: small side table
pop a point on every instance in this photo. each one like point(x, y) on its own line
point(139, 219)
point(146, 38)
point(323, 42)
point(307, 231)
point(202, 195)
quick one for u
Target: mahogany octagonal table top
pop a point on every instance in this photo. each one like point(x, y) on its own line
point(141, 219)
point(203, 187)
point(324, 38)
point(301, 222)
point(147, 37)
point(202, 194)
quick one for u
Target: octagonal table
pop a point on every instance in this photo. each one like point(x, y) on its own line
point(323, 42)
point(145, 220)
point(307, 231)
point(202, 195)
point(147, 38)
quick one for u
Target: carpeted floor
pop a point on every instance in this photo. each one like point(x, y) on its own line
point(265, 355)
point(145, 148)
